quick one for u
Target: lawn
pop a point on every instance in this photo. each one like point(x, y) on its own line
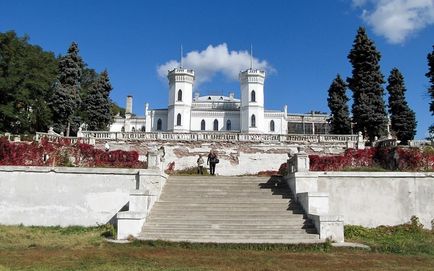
point(77, 248)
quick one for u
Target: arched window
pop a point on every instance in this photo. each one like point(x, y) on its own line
point(216, 125)
point(159, 124)
point(228, 125)
point(179, 95)
point(202, 125)
point(253, 121)
point(253, 96)
point(123, 129)
point(133, 129)
point(178, 120)
point(272, 126)
point(143, 129)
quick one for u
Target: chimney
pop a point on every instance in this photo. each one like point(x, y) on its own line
point(129, 106)
point(196, 95)
point(231, 95)
point(146, 108)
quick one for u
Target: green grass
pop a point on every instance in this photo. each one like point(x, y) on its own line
point(81, 248)
point(407, 239)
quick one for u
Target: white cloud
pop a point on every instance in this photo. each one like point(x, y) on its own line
point(213, 60)
point(396, 20)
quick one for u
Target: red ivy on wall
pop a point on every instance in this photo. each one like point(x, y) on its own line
point(403, 159)
point(63, 153)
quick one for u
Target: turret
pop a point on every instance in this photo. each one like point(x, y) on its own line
point(180, 98)
point(252, 101)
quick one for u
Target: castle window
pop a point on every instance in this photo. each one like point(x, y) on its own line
point(228, 125)
point(159, 124)
point(202, 125)
point(253, 121)
point(143, 129)
point(123, 129)
point(209, 97)
point(216, 125)
point(253, 96)
point(133, 129)
point(272, 126)
point(179, 95)
point(178, 120)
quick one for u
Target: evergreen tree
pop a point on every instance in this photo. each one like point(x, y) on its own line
point(66, 97)
point(337, 102)
point(368, 108)
point(430, 75)
point(402, 117)
point(26, 76)
point(98, 104)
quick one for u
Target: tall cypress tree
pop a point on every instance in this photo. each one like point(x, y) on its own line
point(98, 104)
point(337, 102)
point(369, 113)
point(66, 96)
point(430, 75)
point(402, 117)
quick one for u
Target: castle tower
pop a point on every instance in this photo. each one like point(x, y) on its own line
point(180, 98)
point(252, 101)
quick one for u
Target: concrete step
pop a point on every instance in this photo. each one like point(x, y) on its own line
point(229, 212)
point(188, 217)
point(251, 190)
point(238, 241)
point(282, 203)
point(200, 231)
point(197, 225)
point(222, 200)
point(290, 220)
point(222, 208)
point(185, 236)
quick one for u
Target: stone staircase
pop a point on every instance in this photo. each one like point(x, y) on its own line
point(228, 210)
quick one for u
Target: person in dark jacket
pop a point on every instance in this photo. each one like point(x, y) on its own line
point(212, 161)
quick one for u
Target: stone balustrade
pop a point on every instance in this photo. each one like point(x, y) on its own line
point(56, 138)
point(220, 136)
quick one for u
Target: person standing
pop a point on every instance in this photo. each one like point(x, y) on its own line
point(200, 163)
point(212, 161)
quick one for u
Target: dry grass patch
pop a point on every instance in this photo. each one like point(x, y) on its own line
point(77, 248)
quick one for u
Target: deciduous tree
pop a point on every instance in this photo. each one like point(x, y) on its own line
point(26, 75)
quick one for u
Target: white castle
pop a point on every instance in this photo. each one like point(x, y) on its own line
point(189, 112)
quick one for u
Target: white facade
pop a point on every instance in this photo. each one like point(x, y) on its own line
point(188, 113)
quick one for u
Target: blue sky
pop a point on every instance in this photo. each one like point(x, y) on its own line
point(302, 44)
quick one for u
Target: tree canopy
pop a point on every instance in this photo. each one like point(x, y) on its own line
point(98, 105)
point(337, 101)
point(403, 119)
point(66, 92)
point(38, 90)
point(26, 75)
point(430, 75)
point(369, 114)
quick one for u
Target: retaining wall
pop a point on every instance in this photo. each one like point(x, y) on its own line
point(47, 196)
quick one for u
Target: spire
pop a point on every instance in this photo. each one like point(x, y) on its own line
point(180, 62)
point(251, 56)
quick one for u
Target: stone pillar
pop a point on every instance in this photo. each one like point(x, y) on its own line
point(153, 159)
point(360, 142)
point(80, 132)
point(301, 161)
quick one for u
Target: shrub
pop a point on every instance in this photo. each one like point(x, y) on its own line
point(397, 158)
point(63, 153)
